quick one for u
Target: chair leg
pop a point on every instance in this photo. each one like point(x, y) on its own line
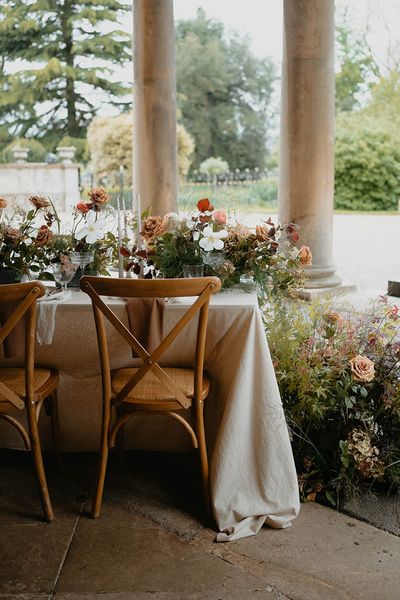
point(51, 407)
point(102, 465)
point(204, 469)
point(38, 462)
point(120, 449)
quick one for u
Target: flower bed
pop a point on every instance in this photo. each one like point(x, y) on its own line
point(339, 377)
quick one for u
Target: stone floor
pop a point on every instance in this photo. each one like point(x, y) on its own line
point(153, 542)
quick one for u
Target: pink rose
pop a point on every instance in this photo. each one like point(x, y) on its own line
point(220, 216)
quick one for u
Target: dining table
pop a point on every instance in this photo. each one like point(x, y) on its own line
point(252, 472)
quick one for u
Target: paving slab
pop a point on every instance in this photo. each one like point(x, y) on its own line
point(32, 551)
point(123, 552)
point(326, 555)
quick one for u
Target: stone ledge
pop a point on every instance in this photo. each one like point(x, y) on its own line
point(311, 294)
point(377, 509)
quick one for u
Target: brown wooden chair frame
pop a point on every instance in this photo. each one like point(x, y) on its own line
point(24, 297)
point(203, 288)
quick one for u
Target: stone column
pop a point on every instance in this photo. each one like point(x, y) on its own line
point(155, 170)
point(307, 131)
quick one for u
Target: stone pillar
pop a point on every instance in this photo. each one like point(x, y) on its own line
point(307, 131)
point(155, 168)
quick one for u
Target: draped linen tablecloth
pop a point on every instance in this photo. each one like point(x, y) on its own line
point(253, 477)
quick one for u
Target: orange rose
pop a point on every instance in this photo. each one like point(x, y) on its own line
point(262, 233)
point(83, 207)
point(152, 227)
point(305, 256)
point(362, 368)
point(204, 204)
point(3, 203)
point(44, 236)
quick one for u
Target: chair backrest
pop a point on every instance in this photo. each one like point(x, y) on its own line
point(200, 287)
point(20, 301)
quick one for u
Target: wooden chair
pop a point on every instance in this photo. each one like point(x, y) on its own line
point(24, 386)
point(151, 388)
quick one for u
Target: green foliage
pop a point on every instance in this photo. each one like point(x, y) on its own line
point(185, 144)
point(346, 427)
point(80, 145)
point(110, 144)
point(54, 95)
point(385, 99)
point(357, 67)
point(367, 163)
point(224, 93)
point(37, 151)
point(213, 166)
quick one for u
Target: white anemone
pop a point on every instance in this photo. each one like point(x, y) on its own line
point(212, 240)
point(93, 230)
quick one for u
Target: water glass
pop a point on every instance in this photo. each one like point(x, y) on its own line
point(193, 270)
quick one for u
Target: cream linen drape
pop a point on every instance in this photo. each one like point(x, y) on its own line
point(253, 478)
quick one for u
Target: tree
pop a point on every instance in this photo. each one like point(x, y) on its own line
point(224, 93)
point(367, 163)
point(110, 143)
point(357, 67)
point(68, 49)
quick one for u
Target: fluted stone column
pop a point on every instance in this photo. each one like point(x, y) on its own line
point(307, 131)
point(155, 171)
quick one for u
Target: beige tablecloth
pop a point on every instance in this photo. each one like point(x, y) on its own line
point(253, 478)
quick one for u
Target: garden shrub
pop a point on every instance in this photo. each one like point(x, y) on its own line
point(339, 377)
point(81, 147)
point(37, 151)
point(367, 164)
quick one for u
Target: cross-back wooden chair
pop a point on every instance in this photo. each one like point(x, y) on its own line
point(151, 388)
point(24, 386)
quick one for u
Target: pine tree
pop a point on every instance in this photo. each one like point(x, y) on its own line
point(56, 65)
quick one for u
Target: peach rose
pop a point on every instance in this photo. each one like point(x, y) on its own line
point(362, 368)
point(44, 236)
point(3, 203)
point(220, 216)
point(39, 202)
point(98, 197)
point(152, 227)
point(305, 256)
point(12, 235)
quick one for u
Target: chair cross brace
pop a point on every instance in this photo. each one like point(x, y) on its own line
point(6, 329)
point(150, 360)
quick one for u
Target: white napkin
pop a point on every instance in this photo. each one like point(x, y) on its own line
point(46, 315)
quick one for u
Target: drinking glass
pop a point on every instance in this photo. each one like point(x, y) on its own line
point(193, 270)
point(82, 259)
point(63, 273)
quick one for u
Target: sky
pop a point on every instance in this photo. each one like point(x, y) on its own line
point(262, 20)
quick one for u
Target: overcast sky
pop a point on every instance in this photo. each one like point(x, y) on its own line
point(262, 20)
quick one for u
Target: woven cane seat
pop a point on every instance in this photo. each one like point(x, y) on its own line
point(14, 379)
point(150, 391)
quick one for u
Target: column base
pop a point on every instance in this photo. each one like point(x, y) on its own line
point(311, 294)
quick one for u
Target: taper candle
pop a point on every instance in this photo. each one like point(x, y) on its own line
point(120, 257)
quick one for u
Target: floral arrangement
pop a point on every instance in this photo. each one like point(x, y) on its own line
point(339, 377)
point(91, 231)
point(25, 237)
point(31, 241)
point(227, 249)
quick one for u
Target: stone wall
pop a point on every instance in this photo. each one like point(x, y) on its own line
point(59, 181)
